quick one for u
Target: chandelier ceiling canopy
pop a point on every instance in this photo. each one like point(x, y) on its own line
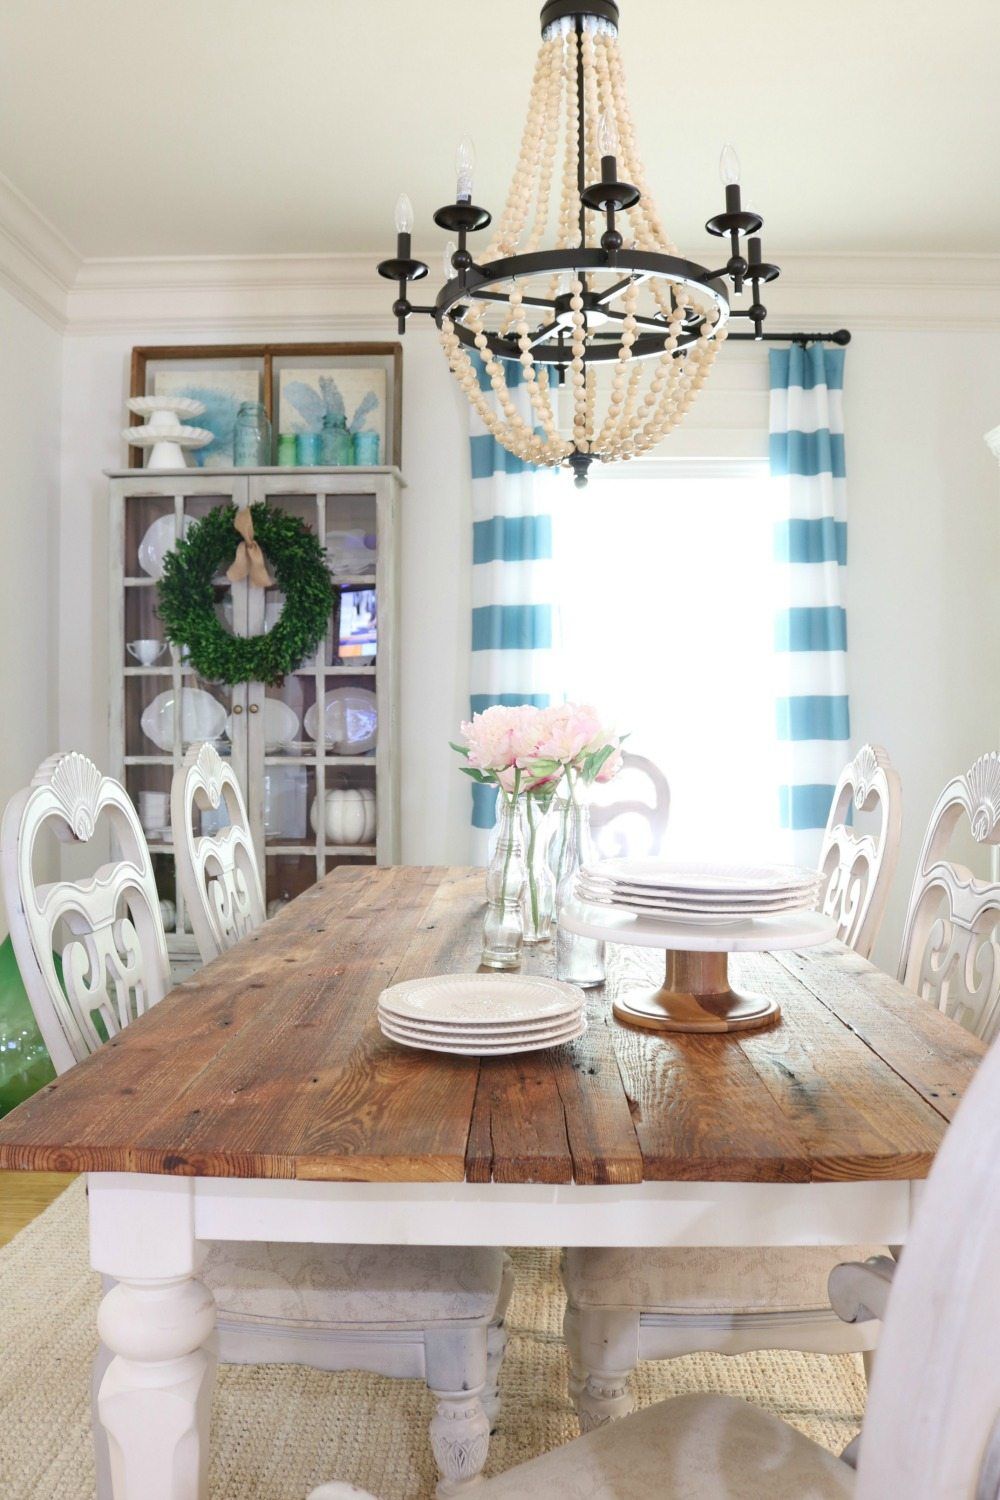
point(579, 283)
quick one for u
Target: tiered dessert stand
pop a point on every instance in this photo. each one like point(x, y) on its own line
point(696, 994)
point(164, 432)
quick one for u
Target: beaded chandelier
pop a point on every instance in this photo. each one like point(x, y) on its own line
point(614, 332)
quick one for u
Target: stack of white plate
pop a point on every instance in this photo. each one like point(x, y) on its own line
point(697, 892)
point(482, 1015)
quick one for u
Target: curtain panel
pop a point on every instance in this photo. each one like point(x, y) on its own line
point(813, 716)
point(513, 612)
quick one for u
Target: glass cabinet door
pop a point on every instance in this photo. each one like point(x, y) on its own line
point(163, 705)
point(315, 734)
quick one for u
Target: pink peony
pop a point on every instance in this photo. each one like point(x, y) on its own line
point(500, 737)
point(611, 766)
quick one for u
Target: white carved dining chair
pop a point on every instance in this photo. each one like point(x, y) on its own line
point(950, 952)
point(404, 1311)
point(859, 866)
point(626, 1305)
point(217, 872)
point(630, 814)
point(931, 1429)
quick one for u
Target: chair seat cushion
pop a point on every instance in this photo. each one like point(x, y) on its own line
point(691, 1448)
point(352, 1286)
point(706, 1281)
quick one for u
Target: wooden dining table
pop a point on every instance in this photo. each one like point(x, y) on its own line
point(260, 1101)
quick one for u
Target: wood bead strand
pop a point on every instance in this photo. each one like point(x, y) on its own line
point(515, 211)
point(548, 143)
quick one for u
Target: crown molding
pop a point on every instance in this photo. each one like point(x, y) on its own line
point(316, 294)
point(37, 264)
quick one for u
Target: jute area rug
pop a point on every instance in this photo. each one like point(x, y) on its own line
point(277, 1430)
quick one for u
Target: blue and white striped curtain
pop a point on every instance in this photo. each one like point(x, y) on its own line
point(513, 616)
point(807, 447)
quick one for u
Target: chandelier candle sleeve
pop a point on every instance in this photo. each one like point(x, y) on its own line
point(614, 330)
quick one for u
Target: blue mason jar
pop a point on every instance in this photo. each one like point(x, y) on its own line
point(367, 447)
point(335, 441)
point(307, 450)
point(251, 437)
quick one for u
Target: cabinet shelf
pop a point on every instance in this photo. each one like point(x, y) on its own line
point(324, 502)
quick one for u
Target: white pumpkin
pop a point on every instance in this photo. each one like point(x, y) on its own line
point(349, 815)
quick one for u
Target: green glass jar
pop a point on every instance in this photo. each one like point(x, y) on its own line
point(335, 441)
point(286, 450)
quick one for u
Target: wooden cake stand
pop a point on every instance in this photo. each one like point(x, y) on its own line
point(696, 994)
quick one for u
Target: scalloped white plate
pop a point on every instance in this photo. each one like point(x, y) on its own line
point(184, 437)
point(184, 406)
point(157, 541)
point(480, 1049)
point(465, 1000)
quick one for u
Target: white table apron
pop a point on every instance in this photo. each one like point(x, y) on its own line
point(147, 1232)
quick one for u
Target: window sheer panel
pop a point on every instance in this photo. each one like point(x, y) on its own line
point(667, 589)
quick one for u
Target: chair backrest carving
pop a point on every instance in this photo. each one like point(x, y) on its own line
point(950, 951)
point(931, 1427)
point(114, 955)
point(627, 823)
point(217, 872)
point(859, 867)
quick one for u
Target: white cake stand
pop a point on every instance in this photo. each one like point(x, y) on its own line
point(163, 432)
point(696, 994)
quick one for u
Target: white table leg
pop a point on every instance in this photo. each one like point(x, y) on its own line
point(158, 1321)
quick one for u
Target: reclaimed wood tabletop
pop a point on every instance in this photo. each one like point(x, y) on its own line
point(269, 1063)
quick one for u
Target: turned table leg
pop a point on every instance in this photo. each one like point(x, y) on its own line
point(158, 1322)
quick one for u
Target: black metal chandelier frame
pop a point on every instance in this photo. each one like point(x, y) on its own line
point(609, 196)
point(587, 267)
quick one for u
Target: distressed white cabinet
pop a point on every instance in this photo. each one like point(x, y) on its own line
point(283, 769)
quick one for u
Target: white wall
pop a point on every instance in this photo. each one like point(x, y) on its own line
point(924, 554)
point(924, 565)
point(29, 493)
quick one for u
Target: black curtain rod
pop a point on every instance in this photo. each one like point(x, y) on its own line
point(840, 336)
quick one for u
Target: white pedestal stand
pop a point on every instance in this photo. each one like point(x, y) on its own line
point(696, 994)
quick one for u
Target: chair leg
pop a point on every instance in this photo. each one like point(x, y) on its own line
point(577, 1370)
point(496, 1345)
point(456, 1363)
point(609, 1351)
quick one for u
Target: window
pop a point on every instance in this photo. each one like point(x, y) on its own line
point(667, 595)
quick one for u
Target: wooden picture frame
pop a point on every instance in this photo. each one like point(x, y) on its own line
point(143, 355)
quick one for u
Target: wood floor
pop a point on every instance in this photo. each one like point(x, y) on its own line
point(23, 1196)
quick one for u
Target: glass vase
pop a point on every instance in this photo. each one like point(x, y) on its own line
point(336, 447)
point(538, 901)
point(251, 437)
point(580, 960)
point(503, 932)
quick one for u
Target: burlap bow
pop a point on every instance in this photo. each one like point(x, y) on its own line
point(249, 559)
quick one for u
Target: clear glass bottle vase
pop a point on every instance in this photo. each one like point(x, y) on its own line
point(503, 931)
point(538, 900)
point(580, 960)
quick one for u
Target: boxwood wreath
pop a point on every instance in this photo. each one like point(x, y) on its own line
point(187, 596)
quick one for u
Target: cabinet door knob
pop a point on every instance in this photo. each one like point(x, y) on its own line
point(237, 708)
point(255, 708)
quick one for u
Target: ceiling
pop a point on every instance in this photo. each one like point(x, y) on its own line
point(259, 127)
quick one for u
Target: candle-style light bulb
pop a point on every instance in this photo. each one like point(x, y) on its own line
point(607, 134)
point(729, 167)
point(465, 166)
point(449, 251)
point(404, 214)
